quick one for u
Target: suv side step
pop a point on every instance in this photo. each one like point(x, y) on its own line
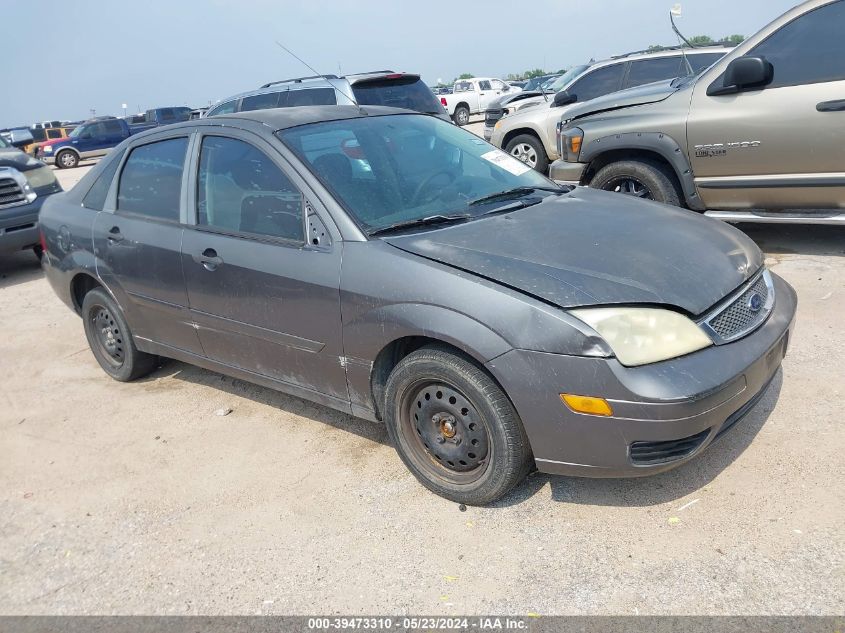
point(790, 217)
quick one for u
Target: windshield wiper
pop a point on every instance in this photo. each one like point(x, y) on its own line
point(516, 192)
point(426, 221)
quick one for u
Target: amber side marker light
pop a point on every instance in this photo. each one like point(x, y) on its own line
point(575, 144)
point(586, 404)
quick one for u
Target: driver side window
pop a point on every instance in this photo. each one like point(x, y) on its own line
point(241, 190)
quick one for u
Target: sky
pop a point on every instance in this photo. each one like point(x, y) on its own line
point(157, 53)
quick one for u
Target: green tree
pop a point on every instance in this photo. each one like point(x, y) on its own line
point(464, 76)
point(699, 40)
point(537, 72)
point(734, 39)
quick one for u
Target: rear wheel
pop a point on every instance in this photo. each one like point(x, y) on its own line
point(111, 340)
point(461, 116)
point(639, 178)
point(454, 427)
point(530, 151)
point(66, 159)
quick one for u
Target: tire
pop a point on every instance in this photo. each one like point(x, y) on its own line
point(530, 151)
point(441, 409)
point(461, 116)
point(111, 340)
point(649, 180)
point(67, 159)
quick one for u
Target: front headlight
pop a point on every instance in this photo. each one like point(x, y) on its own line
point(40, 177)
point(639, 336)
point(571, 141)
point(47, 149)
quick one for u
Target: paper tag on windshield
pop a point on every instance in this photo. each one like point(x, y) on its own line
point(506, 162)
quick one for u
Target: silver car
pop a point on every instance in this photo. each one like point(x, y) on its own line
point(528, 133)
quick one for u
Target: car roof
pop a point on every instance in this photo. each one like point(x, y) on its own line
point(284, 118)
point(671, 51)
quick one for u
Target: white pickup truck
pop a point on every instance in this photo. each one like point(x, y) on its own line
point(472, 96)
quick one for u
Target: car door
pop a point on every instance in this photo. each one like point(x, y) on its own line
point(138, 238)
point(264, 300)
point(783, 145)
point(598, 82)
point(486, 94)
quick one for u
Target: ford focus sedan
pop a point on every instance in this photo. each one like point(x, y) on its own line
point(398, 268)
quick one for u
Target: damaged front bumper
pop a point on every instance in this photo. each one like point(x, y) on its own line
point(664, 414)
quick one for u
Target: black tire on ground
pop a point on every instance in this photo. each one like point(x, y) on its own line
point(441, 409)
point(529, 150)
point(67, 159)
point(111, 340)
point(461, 116)
point(643, 178)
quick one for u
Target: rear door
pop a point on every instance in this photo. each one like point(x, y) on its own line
point(264, 300)
point(782, 146)
point(138, 237)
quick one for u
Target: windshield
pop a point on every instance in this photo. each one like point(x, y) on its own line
point(77, 131)
point(393, 169)
point(566, 78)
point(406, 92)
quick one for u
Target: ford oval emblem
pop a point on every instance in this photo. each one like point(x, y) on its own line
point(755, 302)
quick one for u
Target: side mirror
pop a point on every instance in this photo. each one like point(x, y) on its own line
point(563, 98)
point(20, 137)
point(744, 73)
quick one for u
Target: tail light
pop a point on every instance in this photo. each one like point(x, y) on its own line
point(42, 240)
point(443, 101)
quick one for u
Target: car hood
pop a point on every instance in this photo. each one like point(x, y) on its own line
point(13, 157)
point(648, 93)
point(52, 141)
point(593, 247)
point(504, 100)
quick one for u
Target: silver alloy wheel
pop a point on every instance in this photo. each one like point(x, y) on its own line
point(67, 159)
point(463, 116)
point(525, 153)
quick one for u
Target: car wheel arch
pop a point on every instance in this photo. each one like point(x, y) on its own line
point(654, 146)
point(512, 134)
point(80, 285)
point(394, 352)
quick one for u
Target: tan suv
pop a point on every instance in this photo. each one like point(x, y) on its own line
point(759, 136)
point(528, 132)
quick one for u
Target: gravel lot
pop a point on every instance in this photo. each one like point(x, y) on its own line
point(137, 498)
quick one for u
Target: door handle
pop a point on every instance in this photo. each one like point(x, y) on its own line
point(115, 235)
point(831, 106)
point(209, 259)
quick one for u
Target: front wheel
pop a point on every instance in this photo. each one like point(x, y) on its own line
point(454, 427)
point(67, 160)
point(111, 340)
point(461, 116)
point(639, 178)
point(530, 151)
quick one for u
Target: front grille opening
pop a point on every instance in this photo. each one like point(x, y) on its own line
point(663, 452)
point(10, 192)
point(738, 317)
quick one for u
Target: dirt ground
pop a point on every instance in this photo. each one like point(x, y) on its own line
point(138, 498)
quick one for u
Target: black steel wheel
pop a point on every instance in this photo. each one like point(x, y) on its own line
point(644, 179)
point(454, 427)
point(111, 340)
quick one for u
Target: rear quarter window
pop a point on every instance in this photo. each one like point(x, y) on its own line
point(308, 97)
point(99, 191)
point(260, 101)
point(409, 93)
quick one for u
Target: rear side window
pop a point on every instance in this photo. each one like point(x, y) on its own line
point(241, 190)
point(96, 196)
point(646, 71)
point(260, 102)
point(54, 133)
point(808, 50)
point(464, 86)
point(112, 127)
point(307, 97)
point(408, 92)
point(223, 108)
point(151, 180)
point(598, 83)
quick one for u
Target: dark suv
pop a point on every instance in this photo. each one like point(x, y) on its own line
point(380, 88)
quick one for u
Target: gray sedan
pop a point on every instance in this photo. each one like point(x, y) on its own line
point(398, 268)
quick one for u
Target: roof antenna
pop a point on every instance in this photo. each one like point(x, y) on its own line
point(319, 74)
point(676, 11)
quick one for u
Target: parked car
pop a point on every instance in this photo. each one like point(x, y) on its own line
point(529, 132)
point(40, 135)
point(198, 113)
point(473, 96)
point(491, 319)
point(535, 83)
point(762, 129)
point(92, 139)
point(382, 87)
point(161, 116)
point(24, 185)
